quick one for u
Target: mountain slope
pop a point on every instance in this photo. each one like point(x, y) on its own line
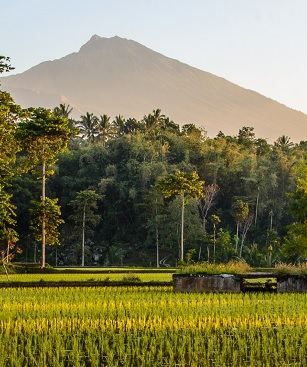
point(118, 76)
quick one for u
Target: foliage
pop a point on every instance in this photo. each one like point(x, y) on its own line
point(50, 210)
point(295, 240)
point(84, 217)
point(131, 277)
point(43, 136)
point(291, 269)
point(5, 65)
point(247, 181)
point(232, 267)
point(186, 185)
point(181, 183)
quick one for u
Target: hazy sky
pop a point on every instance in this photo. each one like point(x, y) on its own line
point(257, 44)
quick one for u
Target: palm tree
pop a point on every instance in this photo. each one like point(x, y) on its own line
point(88, 127)
point(132, 126)
point(62, 110)
point(106, 129)
point(119, 124)
point(284, 142)
point(154, 120)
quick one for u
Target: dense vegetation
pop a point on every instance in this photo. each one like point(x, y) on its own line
point(107, 185)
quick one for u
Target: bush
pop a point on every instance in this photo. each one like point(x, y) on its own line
point(130, 277)
point(291, 269)
point(232, 267)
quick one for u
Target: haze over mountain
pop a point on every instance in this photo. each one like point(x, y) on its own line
point(118, 76)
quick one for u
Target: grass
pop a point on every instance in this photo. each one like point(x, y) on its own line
point(291, 269)
point(143, 277)
point(232, 267)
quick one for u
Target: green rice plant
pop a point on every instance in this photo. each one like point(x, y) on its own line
point(79, 277)
point(232, 267)
point(150, 327)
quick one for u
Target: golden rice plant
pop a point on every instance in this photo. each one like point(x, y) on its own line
point(150, 326)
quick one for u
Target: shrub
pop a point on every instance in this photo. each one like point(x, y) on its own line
point(131, 277)
point(232, 267)
point(291, 269)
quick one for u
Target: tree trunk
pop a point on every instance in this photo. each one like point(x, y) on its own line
point(214, 240)
point(182, 226)
point(237, 238)
point(256, 210)
point(43, 264)
point(83, 237)
point(157, 235)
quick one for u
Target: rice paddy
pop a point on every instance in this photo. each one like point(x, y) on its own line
point(150, 326)
point(81, 277)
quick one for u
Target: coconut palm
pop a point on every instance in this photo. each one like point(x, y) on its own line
point(63, 110)
point(106, 129)
point(88, 127)
point(284, 142)
point(119, 124)
point(154, 120)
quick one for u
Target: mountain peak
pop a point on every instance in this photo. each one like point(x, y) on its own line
point(94, 38)
point(98, 42)
point(120, 76)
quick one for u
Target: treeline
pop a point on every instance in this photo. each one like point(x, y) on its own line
point(100, 204)
point(106, 185)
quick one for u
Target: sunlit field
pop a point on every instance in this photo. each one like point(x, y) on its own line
point(79, 277)
point(151, 326)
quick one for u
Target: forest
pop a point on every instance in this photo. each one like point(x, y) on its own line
point(93, 191)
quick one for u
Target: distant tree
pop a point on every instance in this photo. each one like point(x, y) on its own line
point(106, 131)
point(153, 121)
point(246, 136)
point(215, 220)
point(295, 242)
point(5, 65)
point(84, 206)
point(119, 123)
point(49, 212)
point(186, 185)
point(239, 211)
point(284, 143)
point(63, 110)
point(88, 127)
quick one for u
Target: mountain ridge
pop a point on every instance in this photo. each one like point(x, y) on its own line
point(119, 76)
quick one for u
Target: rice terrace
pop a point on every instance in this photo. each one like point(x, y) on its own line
point(145, 325)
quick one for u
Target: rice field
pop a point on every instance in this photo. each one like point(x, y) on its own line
point(151, 326)
point(79, 277)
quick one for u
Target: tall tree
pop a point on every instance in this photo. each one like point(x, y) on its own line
point(215, 220)
point(239, 211)
point(43, 136)
point(88, 127)
point(10, 113)
point(186, 185)
point(63, 110)
point(284, 143)
point(153, 121)
point(296, 239)
point(84, 206)
point(106, 130)
point(49, 212)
